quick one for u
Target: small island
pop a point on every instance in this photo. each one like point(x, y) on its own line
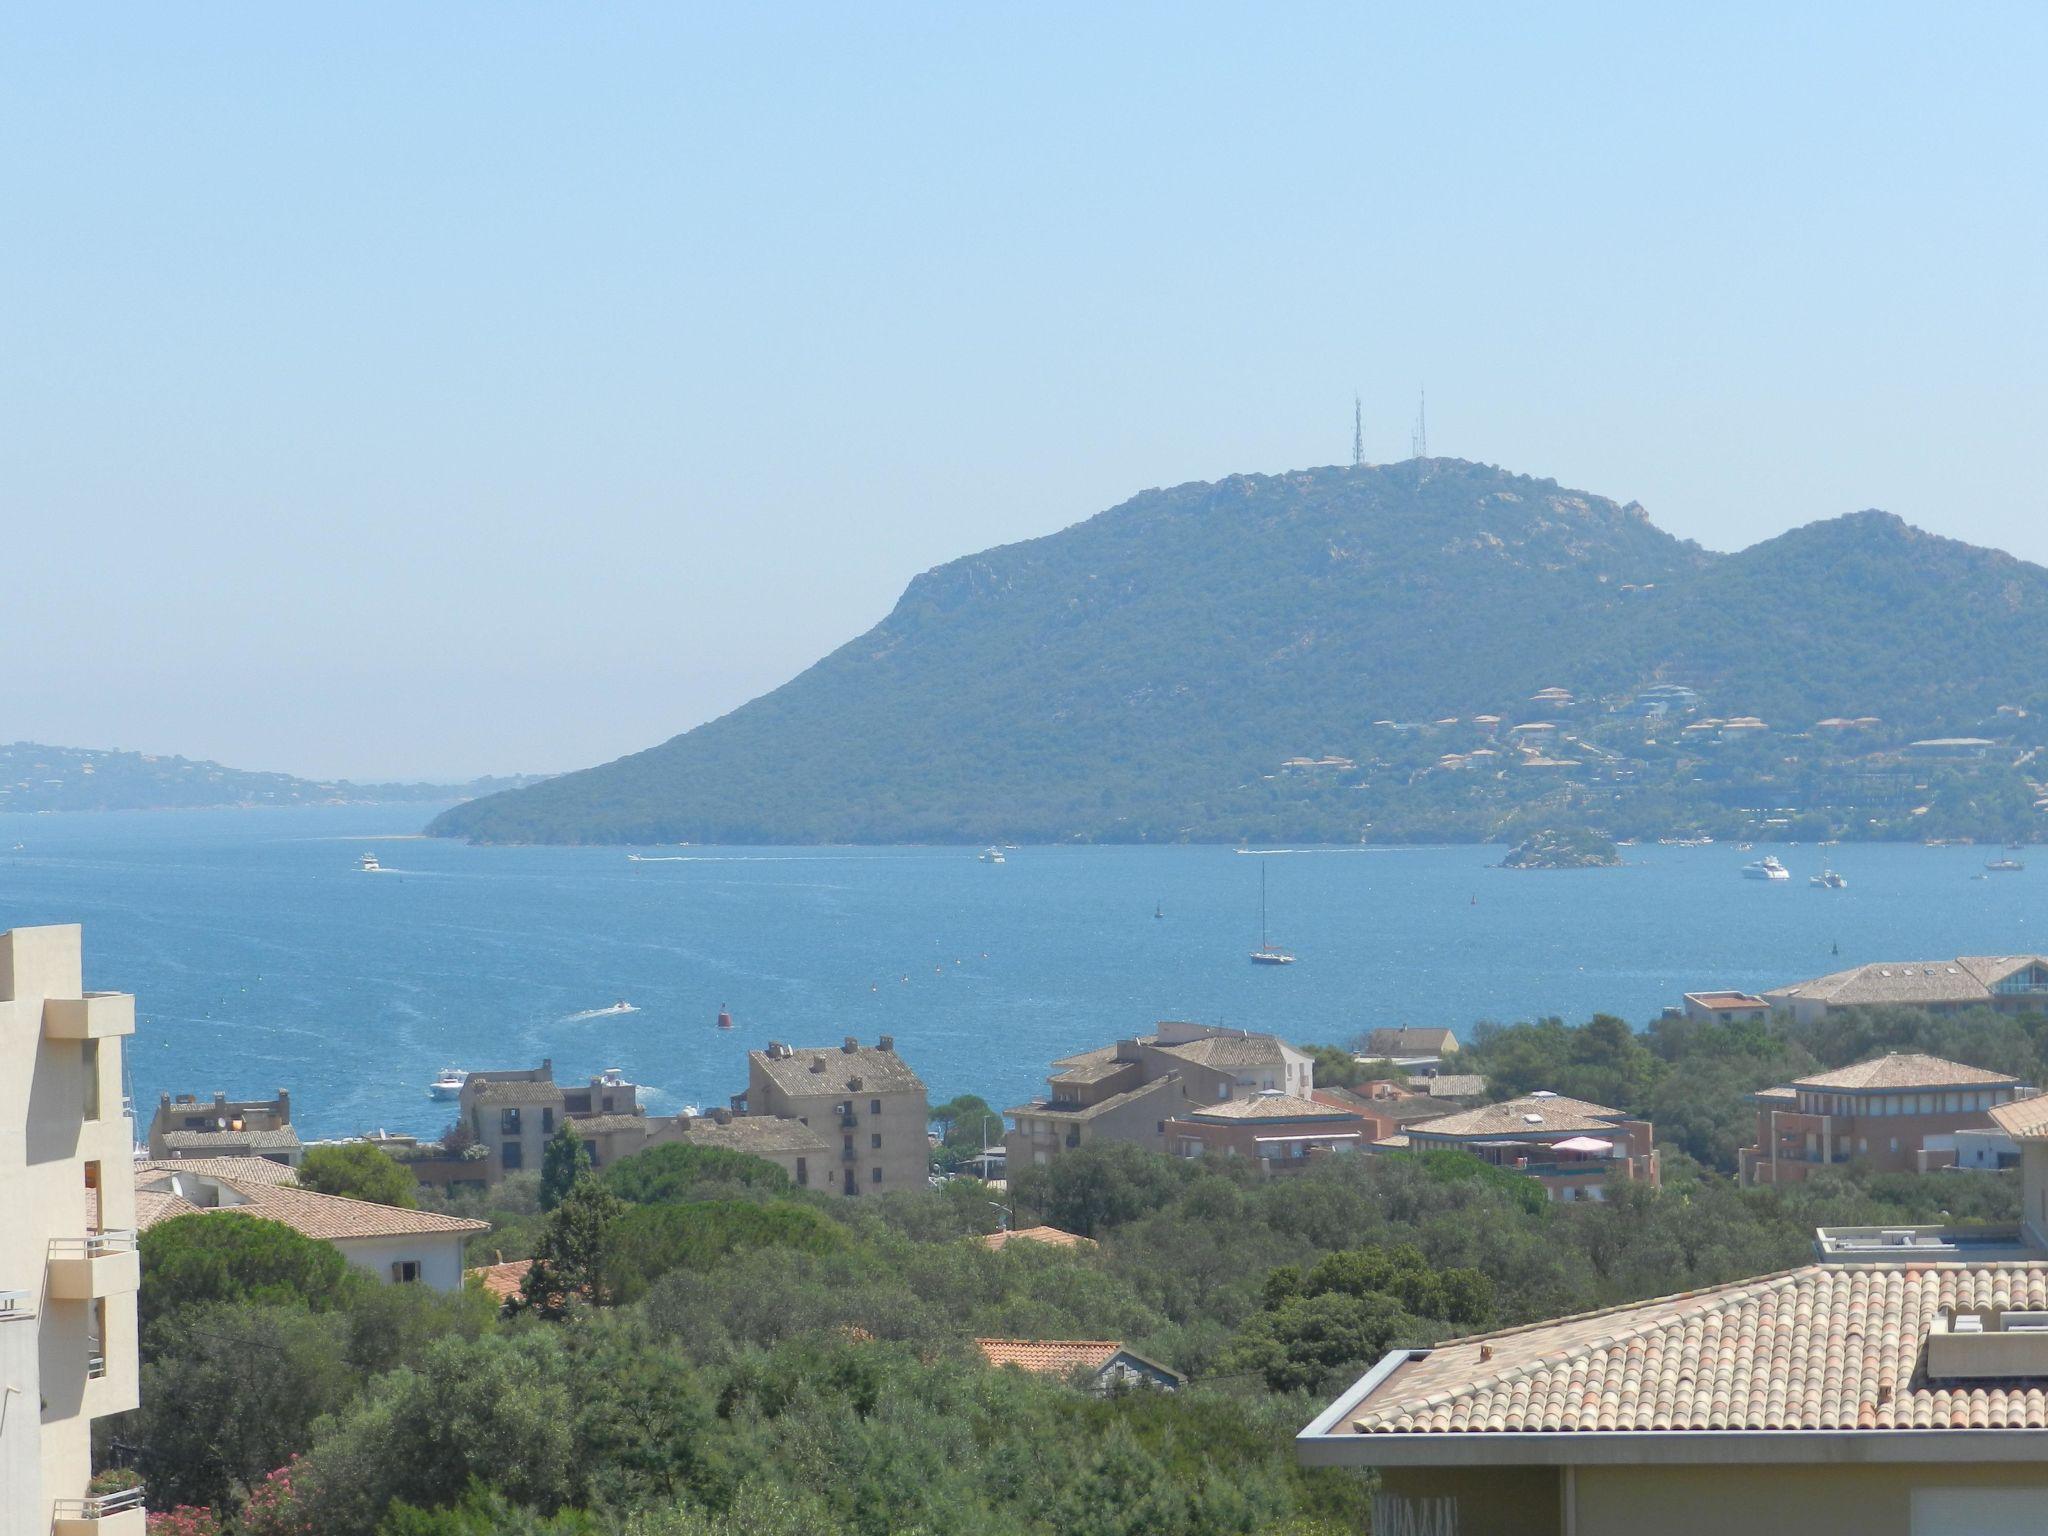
point(1563, 848)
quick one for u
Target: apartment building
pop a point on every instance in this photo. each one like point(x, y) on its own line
point(1574, 1149)
point(1896, 1387)
point(68, 1266)
point(398, 1246)
point(513, 1114)
point(1900, 1113)
point(1130, 1090)
point(189, 1126)
point(865, 1101)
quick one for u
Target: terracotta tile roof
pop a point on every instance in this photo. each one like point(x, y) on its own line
point(1965, 979)
point(1056, 1357)
point(501, 1280)
point(1904, 1071)
point(155, 1205)
point(332, 1217)
point(496, 1091)
point(1410, 1042)
point(283, 1139)
point(1269, 1106)
point(758, 1134)
point(243, 1170)
point(1230, 1051)
point(878, 1071)
point(1531, 1115)
point(2023, 1119)
point(1049, 1235)
point(1826, 1347)
point(608, 1125)
point(1454, 1085)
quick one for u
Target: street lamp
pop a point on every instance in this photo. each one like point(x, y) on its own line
point(1007, 1214)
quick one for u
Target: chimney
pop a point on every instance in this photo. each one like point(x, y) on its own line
point(164, 1101)
point(817, 1063)
point(284, 1106)
point(722, 1116)
point(886, 1043)
point(1485, 1353)
point(220, 1100)
point(855, 1085)
point(850, 1046)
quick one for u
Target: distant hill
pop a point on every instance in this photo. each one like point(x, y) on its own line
point(1146, 674)
point(35, 777)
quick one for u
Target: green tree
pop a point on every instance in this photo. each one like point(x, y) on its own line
point(361, 1172)
point(569, 1261)
point(1099, 1186)
point(563, 1161)
point(227, 1256)
point(677, 1171)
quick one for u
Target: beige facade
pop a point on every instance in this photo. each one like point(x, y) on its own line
point(189, 1126)
point(1575, 1150)
point(1277, 1131)
point(864, 1102)
point(1131, 1090)
point(1897, 1114)
point(68, 1266)
point(512, 1115)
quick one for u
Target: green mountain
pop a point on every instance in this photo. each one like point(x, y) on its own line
point(37, 777)
point(1146, 674)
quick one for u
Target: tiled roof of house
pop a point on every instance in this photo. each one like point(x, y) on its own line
point(758, 1134)
point(1050, 1235)
point(1169, 1085)
point(155, 1205)
point(1410, 1042)
point(1965, 979)
point(501, 1280)
point(605, 1125)
point(1230, 1051)
point(1530, 1115)
point(1903, 1071)
point(1056, 1357)
point(243, 1170)
point(830, 1069)
point(2023, 1119)
point(1826, 1347)
point(1454, 1085)
point(328, 1217)
point(1269, 1106)
point(283, 1139)
point(496, 1091)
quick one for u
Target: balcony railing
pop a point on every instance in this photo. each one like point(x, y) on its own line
point(95, 1360)
point(95, 1265)
point(94, 1245)
point(99, 1506)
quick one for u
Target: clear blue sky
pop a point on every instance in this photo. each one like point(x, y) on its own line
point(447, 389)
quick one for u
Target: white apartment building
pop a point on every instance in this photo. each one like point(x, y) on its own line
point(68, 1266)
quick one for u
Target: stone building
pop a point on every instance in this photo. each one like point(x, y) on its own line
point(865, 1102)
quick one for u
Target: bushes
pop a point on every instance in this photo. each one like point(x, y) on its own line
point(361, 1172)
point(226, 1256)
point(680, 1172)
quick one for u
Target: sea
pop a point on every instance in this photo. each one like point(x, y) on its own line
point(262, 956)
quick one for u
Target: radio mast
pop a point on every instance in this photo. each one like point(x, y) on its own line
point(1357, 432)
point(1418, 441)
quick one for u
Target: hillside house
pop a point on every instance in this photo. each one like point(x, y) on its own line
point(1104, 1364)
point(1280, 1132)
point(1573, 1148)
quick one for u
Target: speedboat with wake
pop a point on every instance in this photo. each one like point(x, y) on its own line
point(448, 1085)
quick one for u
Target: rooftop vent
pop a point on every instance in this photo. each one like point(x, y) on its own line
point(1532, 1119)
point(850, 1046)
point(1543, 1093)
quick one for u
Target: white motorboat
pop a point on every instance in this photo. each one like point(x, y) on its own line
point(1828, 880)
point(448, 1085)
point(368, 864)
point(1766, 868)
point(991, 856)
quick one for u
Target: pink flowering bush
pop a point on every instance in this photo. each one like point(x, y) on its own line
point(272, 1508)
point(185, 1520)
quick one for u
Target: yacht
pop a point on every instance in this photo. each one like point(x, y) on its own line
point(1828, 880)
point(2006, 865)
point(448, 1085)
point(1766, 868)
point(368, 864)
point(1267, 953)
point(991, 855)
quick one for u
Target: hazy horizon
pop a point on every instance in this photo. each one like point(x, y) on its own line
point(403, 395)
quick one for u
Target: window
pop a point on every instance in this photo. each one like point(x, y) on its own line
point(875, 1175)
point(1952, 1102)
point(92, 1182)
point(590, 1151)
point(875, 1141)
point(512, 1155)
point(1223, 1090)
point(508, 1122)
point(846, 1144)
point(405, 1271)
point(547, 1122)
point(874, 1106)
point(1895, 1143)
point(96, 1341)
point(90, 1053)
point(607, 1103)
point(803, 1173)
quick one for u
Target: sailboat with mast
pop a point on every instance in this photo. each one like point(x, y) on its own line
point(1267, 953)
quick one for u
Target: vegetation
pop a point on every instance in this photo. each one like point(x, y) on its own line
point(1562, 848)
point(1135, 678)
point(361, 1172)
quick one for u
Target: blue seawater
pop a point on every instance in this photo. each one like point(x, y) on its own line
point(262, 957)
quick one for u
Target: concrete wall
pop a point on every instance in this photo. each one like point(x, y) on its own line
point(21, 1441)
point(1812, 1501)
point(46, 1146)
point(1473, 1501)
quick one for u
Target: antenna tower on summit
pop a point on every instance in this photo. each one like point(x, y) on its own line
point(1418, 441)
point(1357, 432)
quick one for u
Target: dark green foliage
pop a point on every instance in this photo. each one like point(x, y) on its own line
point(1137, 678)
point(361, 1172)
point(226, 1256)
point(569, 1260)
point(680, 1172)
point(563, 1161)
point(650, 1241)
point(1339, 1068)
point(1098, 1186)
point(1344, 1311)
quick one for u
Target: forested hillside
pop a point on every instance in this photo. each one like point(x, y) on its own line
point(1160, 671)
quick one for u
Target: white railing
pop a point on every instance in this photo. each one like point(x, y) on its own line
point(99, 1506)
point(94, 1245)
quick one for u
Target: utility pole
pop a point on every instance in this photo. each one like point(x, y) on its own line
point(1418, 442)
point(1357, 432)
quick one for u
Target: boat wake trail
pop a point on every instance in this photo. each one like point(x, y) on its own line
point(599, 1013)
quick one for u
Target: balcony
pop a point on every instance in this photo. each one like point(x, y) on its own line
point(96, 1265)
point(848, 1120)
point(847, 1154)
point(95, 1016)
point(109, 1514)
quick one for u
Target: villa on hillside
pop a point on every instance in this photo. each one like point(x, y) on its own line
point(1896, 1387)
point(1278, 1131)
point(1574, 1149)
point(1726, 1007)
point(1104, 1364)
point(2008, 983)
point(1415, 1048)
point(1898, 1113)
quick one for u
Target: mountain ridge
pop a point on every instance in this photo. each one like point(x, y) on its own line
point(1140, 674)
